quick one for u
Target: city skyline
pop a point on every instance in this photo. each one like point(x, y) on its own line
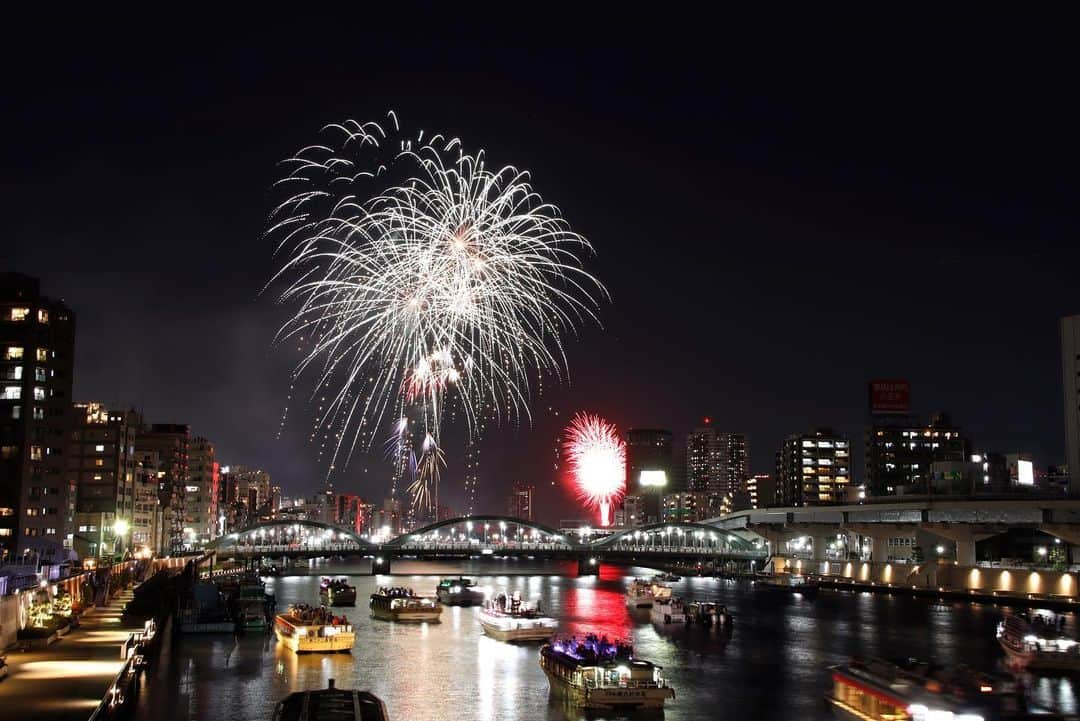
point(789, 193)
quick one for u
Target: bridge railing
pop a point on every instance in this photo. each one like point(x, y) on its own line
point(289, 547)
point(424, 544)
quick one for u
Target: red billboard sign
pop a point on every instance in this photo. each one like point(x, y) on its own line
point(890, 396)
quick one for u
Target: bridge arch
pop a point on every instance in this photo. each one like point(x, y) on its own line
point(481, 526)
point(284, 532)
point(682, 533)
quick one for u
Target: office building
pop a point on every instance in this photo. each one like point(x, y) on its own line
point(201, 493)
point(1070, 385)
point(37, 344)
point(715, 461)
point(147, 519)
point(649, 468)
point(171, 442)
point(101, 461)
point(900, 451)
point(633, 510)
point(520, 502)
point(814, 468)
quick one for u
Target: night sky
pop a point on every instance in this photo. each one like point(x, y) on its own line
point(783, 208)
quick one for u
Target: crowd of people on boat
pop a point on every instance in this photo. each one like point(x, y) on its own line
point(513, 605)
point(593, 648)
point(316, 615)
point(396, 591)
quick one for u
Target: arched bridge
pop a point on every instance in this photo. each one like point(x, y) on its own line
point(491, 535)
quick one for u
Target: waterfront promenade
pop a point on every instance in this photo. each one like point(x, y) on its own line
point(67, 680)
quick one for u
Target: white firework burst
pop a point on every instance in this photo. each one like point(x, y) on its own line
point(423, 279)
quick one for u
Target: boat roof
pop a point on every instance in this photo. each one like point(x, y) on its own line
point(912, 680)
point(331, 704)
point(593, 662)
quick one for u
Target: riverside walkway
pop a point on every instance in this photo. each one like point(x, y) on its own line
point(67, 680)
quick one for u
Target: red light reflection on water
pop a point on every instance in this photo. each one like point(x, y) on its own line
point(597, 605)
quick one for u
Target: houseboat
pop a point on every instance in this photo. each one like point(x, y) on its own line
point(305, 629)
point(877, 690)
point(642, 593)
point(508, 618)
point(331, 704)
point(709, 614)
point(337, 592)
point(402, 604)
point(1037, 645)
point(596, 674)
point(668, 610)
point(459, 592)
point(251, 604)
point(786, 582)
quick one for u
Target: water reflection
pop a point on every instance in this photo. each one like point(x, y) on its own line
point(772, 664)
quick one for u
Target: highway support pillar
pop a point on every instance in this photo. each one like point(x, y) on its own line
point(965, 537)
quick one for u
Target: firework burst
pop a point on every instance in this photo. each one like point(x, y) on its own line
point(423, 278)
point(597, 457)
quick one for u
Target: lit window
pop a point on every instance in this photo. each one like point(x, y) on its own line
point(13, 352)
point(16, 373)
point(99, 448)
point(39, 413)
point(99, 462)
point(39, 393)
point(12, 393)
point(18, 314)
point(50, 531)
point(35, 453)
point(39, 374)
point(16, 411)
point(42, 355)
point(7, 511)
point(42, 315)
point(5, 531)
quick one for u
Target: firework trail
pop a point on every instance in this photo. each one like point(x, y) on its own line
point(597, 458)
point(425, 486)
point(423, 279)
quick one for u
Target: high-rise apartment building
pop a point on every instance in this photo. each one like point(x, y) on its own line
point(814, 468)
point(201, 492)
point(147, 514)
point(900, 451)
point(520, 502)
point(1070, 385)
point(761, 488)
point(171, 442)
point(716, 461)
point(102, 462)
point(649, 471)
point(37, 344)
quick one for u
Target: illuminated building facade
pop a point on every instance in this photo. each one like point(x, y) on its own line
point(900, 451)
point(520, 502)
point(649, 471)
point(814, 468)
point(715, 461)
point(761, 487)
point(201, 494)
point(37, 344)
point(171, 442)
point(102, 464)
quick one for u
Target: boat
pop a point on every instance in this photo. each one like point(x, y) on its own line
point(402, 604)
point(508, 618)
point(331, 704)
point(642, 593)
point(709, 614)
point(251, 604)
point(668, 610)
point(337, 592)
point(459, 591)
point(1036, 645)
point(789, 582)
point(878, 690)
point(306, 629)
point(595, 673)
point(203, 610)
point(667, 577)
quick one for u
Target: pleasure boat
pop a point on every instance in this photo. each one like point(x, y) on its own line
point(877, 690)
point(789, 582)
point(668, 610)
point(337, 592)
point(709, 614)
point(508, 618)
point(642, 593)
point(402, 604)
point(1037, 646)
point(667, 577)
point(331, 704)
point(459, 591)
point(306, 629)
point(595, 673)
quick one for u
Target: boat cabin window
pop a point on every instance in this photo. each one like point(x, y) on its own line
point(870, 705)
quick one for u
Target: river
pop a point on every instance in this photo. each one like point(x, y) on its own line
point(772, 666)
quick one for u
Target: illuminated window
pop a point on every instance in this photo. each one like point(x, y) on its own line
point(5, 531)
point(13, 352)
point(16, 411)
point(42, 315)
point(39, 393)
point(42, 355)
point(35, 453)
point(15, 373)
point(99, 462)
point(19, 314)
point(39, 413)
point(39, 375)
point(12, 393)
point(31, 511)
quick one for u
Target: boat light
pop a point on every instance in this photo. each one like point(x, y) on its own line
point(301, 632)
point(623, 670)
point(455, 589)
point(486, 552)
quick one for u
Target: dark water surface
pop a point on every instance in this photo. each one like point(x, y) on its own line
point(773, 665)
